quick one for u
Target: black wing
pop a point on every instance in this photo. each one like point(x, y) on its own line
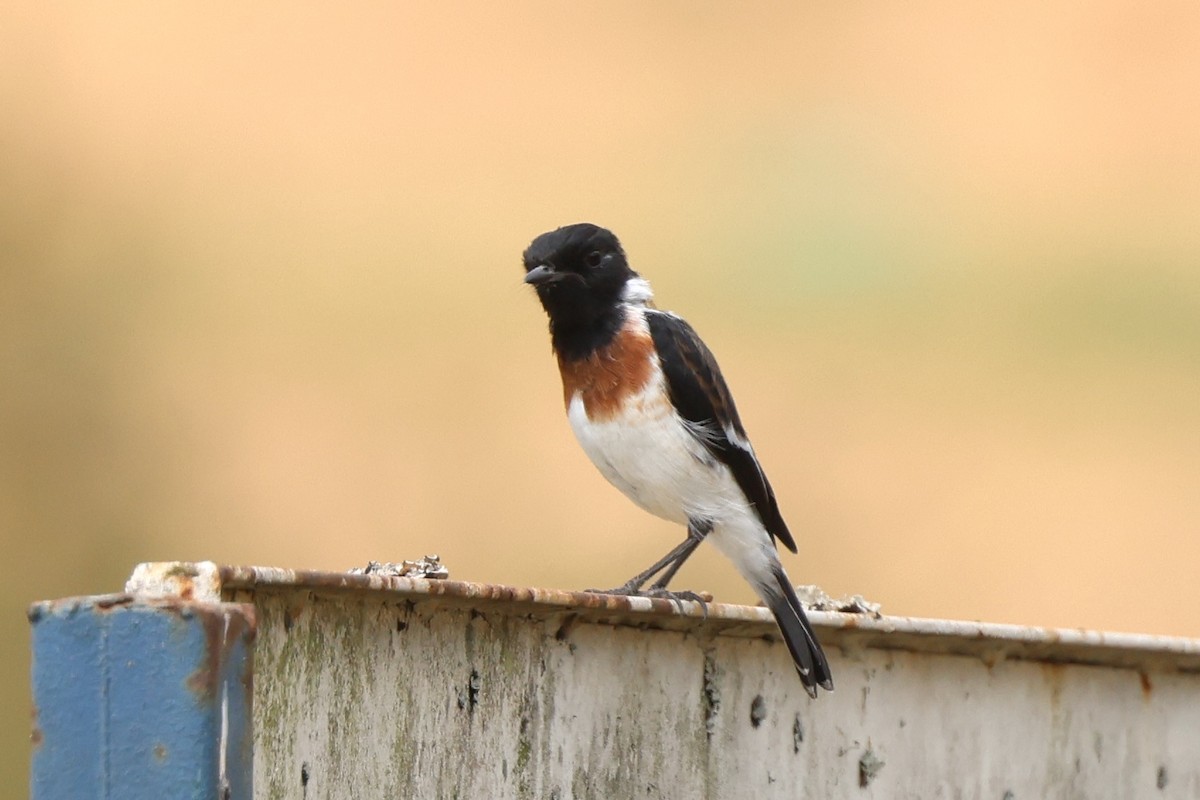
point(700, 395)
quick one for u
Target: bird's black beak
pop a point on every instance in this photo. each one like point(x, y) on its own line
point(542, 273)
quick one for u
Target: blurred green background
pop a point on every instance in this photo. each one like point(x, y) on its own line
point(262, 295)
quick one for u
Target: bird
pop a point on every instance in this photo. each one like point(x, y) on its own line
point(647, 402)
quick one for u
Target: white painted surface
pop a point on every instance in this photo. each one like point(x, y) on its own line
point(409, 688)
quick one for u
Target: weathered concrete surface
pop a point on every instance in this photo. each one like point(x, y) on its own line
point(374, 688)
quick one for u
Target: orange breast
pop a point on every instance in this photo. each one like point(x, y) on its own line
point(608, 377)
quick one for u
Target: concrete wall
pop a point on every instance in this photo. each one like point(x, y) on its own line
point(369, 687)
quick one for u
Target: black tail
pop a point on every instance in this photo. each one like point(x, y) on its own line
point(798, 635)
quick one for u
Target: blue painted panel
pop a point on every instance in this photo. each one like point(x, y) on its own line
point(237, 676)
point(68, 682)
point(130, 698)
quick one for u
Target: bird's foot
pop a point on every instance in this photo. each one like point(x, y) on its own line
point(625, 590)
point(678, 597)
point(660, 592)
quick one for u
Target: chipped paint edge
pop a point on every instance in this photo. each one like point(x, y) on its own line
point(199, 581)
point(993, 642)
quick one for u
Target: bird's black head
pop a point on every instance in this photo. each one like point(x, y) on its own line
point(580, 274)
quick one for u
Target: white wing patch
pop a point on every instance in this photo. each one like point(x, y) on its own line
point(737, 440)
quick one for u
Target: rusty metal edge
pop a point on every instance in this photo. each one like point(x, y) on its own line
point(992, 642)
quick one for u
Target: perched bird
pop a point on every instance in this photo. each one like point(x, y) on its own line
point(647, 402)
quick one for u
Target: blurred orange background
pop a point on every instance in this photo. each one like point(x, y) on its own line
point(262, 295)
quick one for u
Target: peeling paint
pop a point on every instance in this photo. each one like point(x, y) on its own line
point(869, 766)
point(712, 695)
point(758, 710)
point(198, 581)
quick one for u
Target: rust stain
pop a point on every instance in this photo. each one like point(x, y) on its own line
point(245, 626)
point(35, 734)
point(1021, 644)
point(1147, 686)
point(295, 611)
point(244, 623)
point(183, 580)
point(160, 752)
point(608, 377)
point(222, 629)
point(1053, 673)
point(203, 682)
point(110, 603)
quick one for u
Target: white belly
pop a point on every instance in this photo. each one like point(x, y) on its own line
point(653, 459)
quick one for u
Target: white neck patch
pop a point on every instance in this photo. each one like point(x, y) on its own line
point(637, 291)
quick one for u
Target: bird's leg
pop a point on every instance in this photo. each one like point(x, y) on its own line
point(634, 585)
point(697, 530)
point(668, 565)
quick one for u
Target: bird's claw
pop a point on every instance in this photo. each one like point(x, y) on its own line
point(657, 592)
point(620, 591)
point(678, 597)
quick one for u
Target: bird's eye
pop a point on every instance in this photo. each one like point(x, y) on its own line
point(594, 258)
